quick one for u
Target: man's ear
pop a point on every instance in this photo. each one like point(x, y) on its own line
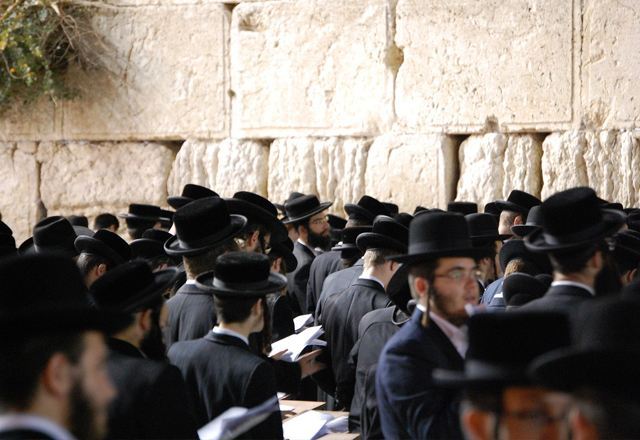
point(256, 309)
point(477, 425)
point(518, 220)
point(421, 286)
point(101, 269)
point(57, 377)
point(144, 320)
point(581, 427)
point(253, 239)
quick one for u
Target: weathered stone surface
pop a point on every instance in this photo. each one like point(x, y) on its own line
point(610, 63)
point(467, 61)
point(37, 121)
point(563, 164)
point(90, 178)
point(196, 162)
point(291, 168)
point(412, 170)
point(522, 165)
point(20, 193)
point(166, 75)
point(312, 68)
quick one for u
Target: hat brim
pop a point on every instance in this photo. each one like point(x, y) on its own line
point(162, 280)
point(28, 247)
point(358, 211)
point(147, 248)
point(321, 207)
point(174, 247)
point(128, 216)
point(91, 245)
point(345, 247)
point(177, 202)
point(372, 240)
point(505, 205)
point(275, 283)
point(523, 230)
point(472, 252)
point(253, 212)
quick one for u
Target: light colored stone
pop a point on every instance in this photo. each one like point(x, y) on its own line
point(90, 178)
point(196, 162)
point(291, 168)
point(466, 61)
point(37, 121)
point(165, 78)
point(522, 165)
point(563, 164)
point(242, 166)
point(313, 67)
point(412, 170)
point(19, 197)
point(481, 172)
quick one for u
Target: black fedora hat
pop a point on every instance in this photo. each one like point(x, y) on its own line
point(520, 288)
point(202, 225)
point(392, 208)
point(130, 287)
point(7, 245)
point(166, 221)
point(241, 275)
point(512, 249)
point(398, 289)
point(571, 220)
point(284, 249)
point(438, 234)
point(518, 201)
point(259, 210)
point(302, 208)
point(78, 220)
point(43, 293)
point(336, 222)
point(503, 345)
point(464, 208)
point(627, 248)
point(190, 192)
point(385, 234)
point(367, 209)
point(151, 245)
point(5, 229)
point(349, 236)
point(106, 244)
point(483, 229)
point(292, 195)
point(404, 218)
point(492, 208)
point(142, 212)
point(53, 234)
point(534, 222)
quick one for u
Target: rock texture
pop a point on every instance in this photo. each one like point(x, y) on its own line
point(313, 67)
point(563, 164)
point(291, 168)
point(34, 122)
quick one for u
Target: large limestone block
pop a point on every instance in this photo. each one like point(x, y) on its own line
point(94, 177)
point(412, 170)
point(196, 162)
point(313, 67)
point(522, 165)
point(41, 120)
point(466, 61)
point(610, 63)
point(563, 163)
point(165, 77)
point(481, 172)
point(291, 168)
point(19, 194)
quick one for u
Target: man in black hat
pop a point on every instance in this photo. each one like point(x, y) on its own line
point(152, 400)
point(514, 210)
point(106, 221)
point(100, 253)
point(626, 254)
point(190, 192)
point(573, 234)
point(204, 231)
point(53, 378)
point(220, 369)
point(483, 230)
point(51, 235)
point(443, 279)
point(7, 242)
point(150, 248)
point(142, 217)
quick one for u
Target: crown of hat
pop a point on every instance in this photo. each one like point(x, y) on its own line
point(571, 211)
point(349, 235)
point(195, 192)
point(242, 267)
point(116, 288)
point(201, 218)
point(464, 208)
point(142, 210)
point(388, 227)
point(157, 235)
point(440, 230)
point(481, 224)
point(54, 232)
point(257, 200)
point(115, 242)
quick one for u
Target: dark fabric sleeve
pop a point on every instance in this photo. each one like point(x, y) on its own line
point(262, 386)
point(287, 376)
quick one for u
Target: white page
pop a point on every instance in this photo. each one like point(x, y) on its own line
point(300, 321)
point(237, 420)
point(307, 426)
point(295, 344)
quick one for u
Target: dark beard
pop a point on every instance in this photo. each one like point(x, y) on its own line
point(83, 415)
point(456, 320)
point(318, 241)
point(152, 344)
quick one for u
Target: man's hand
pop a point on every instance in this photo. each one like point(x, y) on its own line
point(309, 365)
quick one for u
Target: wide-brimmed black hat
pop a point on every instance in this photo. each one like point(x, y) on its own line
point(5, 229)
point(259, 210)
point(392, 208)
point(604, 356)
point(398, 289)
point(336, 222)
point(78, 220)
point(166, 221)
point(518, 201)
point(571, 220)
point(241, 275)
point(280, 206)
point(404, 218)
point(106, 244)
point(7, 245)
point(151, 245)
point(203, 225)
point(502, 347)
point(438, 234)
point(520, 288)
point(385, 234)
point(367, 209)
point(492, 208)
point(512, 249)
point(627, 248)
point(483, 229)
point(284, 249)
point(53, 234)
point(349, 236)
point(533, 223)
point(130, 287)
point(464, 208)
point(302, 208)
point(190, 192)
point(45, 293)
point(142, 212)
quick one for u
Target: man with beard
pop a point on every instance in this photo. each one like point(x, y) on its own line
point(152, 399)
point(53, 377)
point(443, 279)
point(308, 216)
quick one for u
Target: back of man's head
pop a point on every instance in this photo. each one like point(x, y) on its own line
point(106, 221)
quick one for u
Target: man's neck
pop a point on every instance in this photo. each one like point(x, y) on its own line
point(577, 277)
point(379, 273)
point(128, 335)
point(244, 328)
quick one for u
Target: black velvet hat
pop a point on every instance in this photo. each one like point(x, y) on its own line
point(534, 222)
point(280, 207)
point(483, 229)
point(521, 288)
point(438, 234)
point(53, 234)
point(284, 249)
point(392, 208)
point(492, 208)
point(138, 211)
point(518, 201)
point(5, 229)
point(7, 245)
point(130, 287)
point(78, 220)
point(259, 210)
point(203, 225)
point(385, 234)
point(398, 289)
point(502, 347)
point(627, 248)
point(151, 245)
point(336, 222)
point(512, 249)
point(302, 208)
point(367, 209)
point(190, 192)
point(241, 275)
point(166, 221)
point(349, 236)
point(571, 220)
point(404, 218)
point(464, 208)
point(633, 220)
point(106, 244)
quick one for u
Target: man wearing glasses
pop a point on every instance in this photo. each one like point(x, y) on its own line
point(443, 280)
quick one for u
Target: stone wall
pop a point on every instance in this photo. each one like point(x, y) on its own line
point(419, 101)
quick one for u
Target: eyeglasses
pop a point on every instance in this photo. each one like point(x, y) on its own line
point(320, 221)
point(461, 274)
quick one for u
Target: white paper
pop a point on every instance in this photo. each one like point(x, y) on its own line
point(300, 321)
point(294, 345)
point(237, 420)
point(286, 408)
point(312, 425)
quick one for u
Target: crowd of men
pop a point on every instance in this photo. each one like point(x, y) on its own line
point(520, 321)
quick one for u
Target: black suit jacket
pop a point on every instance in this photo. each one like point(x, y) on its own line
point(410, 405)
point(191, 314)
point(152, 399)
point(323, 265)
point(336, 283)
point(221, 371)
point(564, 299)
point(297, 280)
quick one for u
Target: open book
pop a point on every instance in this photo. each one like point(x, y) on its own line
point(312, 425)
point(237, 420)
point(295, 344)
point(299, 322)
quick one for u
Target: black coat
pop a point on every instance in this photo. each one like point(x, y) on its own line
point(297, 280)
point(191, 314)
point(323, 265)
point(559, 298)
point(221, 371)
point(410, 405)
point(152, 400)
point(24, 434)
point(336, 283)
point(281, 317)
point(375, 329)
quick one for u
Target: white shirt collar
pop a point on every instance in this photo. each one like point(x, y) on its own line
point(457, 335)
point(14, 421)
point(226, 331)
point(190, 282)
point(574, 284)
point(314, 251)
point(372, 278)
